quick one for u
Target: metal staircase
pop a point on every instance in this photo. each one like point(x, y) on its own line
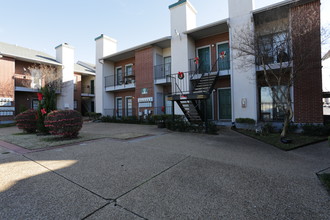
point(202, 87)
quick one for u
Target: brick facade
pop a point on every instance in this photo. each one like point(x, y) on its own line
point(7, 86)
point(212, 40)
point(305, 23)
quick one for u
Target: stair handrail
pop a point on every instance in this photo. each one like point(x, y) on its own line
point(203, 74)
point(176, 84)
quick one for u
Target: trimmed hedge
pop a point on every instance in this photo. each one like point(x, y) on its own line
point(64, 122)
point(245, 120)
point(27, 121)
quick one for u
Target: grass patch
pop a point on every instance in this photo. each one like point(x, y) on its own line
point(325, 179)
point(7, 125)
point(298, 140)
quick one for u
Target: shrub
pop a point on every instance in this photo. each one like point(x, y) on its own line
point(245, 120)
point(94, 115)
point(27, 121)
point(315, 130)
point(212, 128)
point(268, 128)
point(64, 122)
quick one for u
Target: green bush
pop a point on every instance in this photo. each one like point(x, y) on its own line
point(315, 130)
point(64, 122)
point(212, 128)
point(245, 120)
point(268, 128)
point(94, 115)
point(27, 121)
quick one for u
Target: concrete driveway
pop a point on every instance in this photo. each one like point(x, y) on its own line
point(164, 176)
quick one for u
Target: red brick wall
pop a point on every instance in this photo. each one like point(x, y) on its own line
point(305, 23)
point(122, 63)
point(24, 100)
point(144, 72)
point(7, 86)
point(222, 82)
point(123, 95)
point(212, 40)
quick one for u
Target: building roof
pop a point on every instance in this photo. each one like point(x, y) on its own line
point(209, 29)
point(128, 53)
point(26, 54)
point(84, 68)
point(326, 56)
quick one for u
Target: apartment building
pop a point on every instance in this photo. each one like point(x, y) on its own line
point(197, 71)
point(19, 86)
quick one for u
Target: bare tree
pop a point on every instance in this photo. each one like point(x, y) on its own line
point(279, 54)
point(46, 76)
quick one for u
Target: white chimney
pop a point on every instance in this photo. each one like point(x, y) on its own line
point(183, 18)
point(240, 7)
point(105, 46)
point(65, 55)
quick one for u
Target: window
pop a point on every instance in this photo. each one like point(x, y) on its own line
point(223, 55)
point(167, 66)
point(274, 48)
point(119, 76)
point(119, 107)
point(75, 104)
point(270, 110)
point(129, 70)
point(35, 104)
point(129, 106)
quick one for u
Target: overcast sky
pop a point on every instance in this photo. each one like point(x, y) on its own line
point(43, 24)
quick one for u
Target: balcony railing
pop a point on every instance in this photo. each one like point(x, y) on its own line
point(140, 112)
point(200, 66)
point(162, 71)
point(26, 81)
point(87, 90)
point(121, 82)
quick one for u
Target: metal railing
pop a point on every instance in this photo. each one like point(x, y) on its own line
point(87, 89)
point(131, 112)
point(162, 71)
point(113, 80)
point(201, 66)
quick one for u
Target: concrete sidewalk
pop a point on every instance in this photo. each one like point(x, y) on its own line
point(164, 175)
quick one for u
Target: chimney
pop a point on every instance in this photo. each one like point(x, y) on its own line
point(105, 46)
point(183, 17)
point(65, 55)
point(240, 7)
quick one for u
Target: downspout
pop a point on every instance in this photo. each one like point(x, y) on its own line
point(231, 75)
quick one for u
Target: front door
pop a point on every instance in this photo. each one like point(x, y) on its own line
point(224, 103)
point(204, 59)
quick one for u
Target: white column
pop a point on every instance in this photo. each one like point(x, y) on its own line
point(65, 55)
point(243, 78)
point(104, 46)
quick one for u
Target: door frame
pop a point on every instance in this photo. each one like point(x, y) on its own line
point(117, 109)
point(210, 55)
point(126, 109)
point(217, 51)
point(231, 105)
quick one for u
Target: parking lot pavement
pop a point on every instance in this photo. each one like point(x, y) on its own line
point(165, 175)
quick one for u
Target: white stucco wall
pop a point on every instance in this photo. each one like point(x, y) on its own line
point(104, 46)
point(183, 18)
point(65, 55)
point(243, 79)
point(326, 75)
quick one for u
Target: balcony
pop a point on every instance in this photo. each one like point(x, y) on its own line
point(27, 83)
point(200, 67)
point(87, 91)
point(162, 73)
point(115, 83)
point(139, 113)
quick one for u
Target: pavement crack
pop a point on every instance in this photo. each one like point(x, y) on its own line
point(144, 182)
point(92, 213)
point(134, 213)
point(62, 176)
